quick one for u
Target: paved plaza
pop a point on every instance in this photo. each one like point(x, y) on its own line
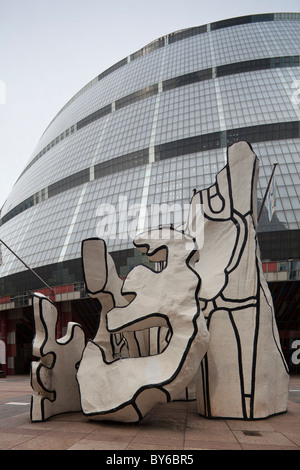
point(175, 426)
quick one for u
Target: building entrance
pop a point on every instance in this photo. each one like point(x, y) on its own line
point(24, 339)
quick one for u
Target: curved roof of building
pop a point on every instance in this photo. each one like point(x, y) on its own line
point(164, 114)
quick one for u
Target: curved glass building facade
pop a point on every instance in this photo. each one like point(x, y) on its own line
point(148, 131)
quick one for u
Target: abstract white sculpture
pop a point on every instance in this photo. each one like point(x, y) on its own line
point(244, 374)
point(54, 375)
point(153, 341)
point(126, 389)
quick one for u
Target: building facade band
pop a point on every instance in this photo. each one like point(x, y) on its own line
point(147, 131)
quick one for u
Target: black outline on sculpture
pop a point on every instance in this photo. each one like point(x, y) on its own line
point(220, 207)
point(161, 384)
point(237, 304)
point(37, 367)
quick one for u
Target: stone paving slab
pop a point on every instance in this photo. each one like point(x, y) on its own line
point(173, 427)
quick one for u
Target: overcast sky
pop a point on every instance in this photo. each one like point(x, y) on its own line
point(50, 49)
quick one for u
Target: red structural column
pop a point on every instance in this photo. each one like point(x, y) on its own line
point(66, 315)
point(11, 346)
point(3, 327)
point(67, 318)
point(59, 322)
